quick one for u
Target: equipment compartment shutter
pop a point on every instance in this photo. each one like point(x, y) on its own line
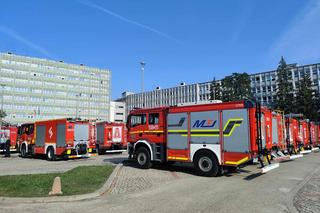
point(205, 127)
point(61, 135)
point(236, 130)
point(81, 132)
point(178, 131)
point(100, 133)
point(275, 136)
point(40, 135)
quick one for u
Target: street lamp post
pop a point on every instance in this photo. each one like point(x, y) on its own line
point(142, 63)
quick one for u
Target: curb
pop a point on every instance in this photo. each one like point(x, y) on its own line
point(103, 190)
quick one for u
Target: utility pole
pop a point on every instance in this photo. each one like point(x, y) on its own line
point(2, 91)
point(142, 63)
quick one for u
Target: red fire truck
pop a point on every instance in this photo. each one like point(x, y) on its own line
point(111, 137)
point(314, 134)
point(8, 133)
point(92, 151)
point(278, 140)
point(211, 136)
point(303, 135)
point(55, 138)
point(292, 130)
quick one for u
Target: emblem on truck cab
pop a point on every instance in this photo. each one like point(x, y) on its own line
point(50, 132)
point(204, 123)
point(181, 121)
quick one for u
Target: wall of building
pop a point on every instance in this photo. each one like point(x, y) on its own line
point(117, 111)
point(263, 87)
point(37, 89)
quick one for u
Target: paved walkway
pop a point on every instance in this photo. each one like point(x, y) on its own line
point(294, 186)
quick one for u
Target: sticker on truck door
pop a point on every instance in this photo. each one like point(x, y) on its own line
point(117, 134)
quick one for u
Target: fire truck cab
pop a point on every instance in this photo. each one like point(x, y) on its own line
point(209, 135)
point(55, 138)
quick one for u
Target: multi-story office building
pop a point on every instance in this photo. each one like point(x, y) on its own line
point(36, 89)
point(167, 97)
point(117, 111)
point(263, 87)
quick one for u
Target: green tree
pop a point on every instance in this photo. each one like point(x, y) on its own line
point(316, 105)
point(305, 100)
point(3, 114)
point(215, 90)
point(236, 87)
point(284, 96)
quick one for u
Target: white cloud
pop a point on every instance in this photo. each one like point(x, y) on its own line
point(301, 40)
point(122, 18)
point(6, 30)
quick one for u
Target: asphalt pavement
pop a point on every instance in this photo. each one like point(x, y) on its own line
point(178, 189)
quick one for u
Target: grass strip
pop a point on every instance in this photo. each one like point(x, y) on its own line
point(80, 180)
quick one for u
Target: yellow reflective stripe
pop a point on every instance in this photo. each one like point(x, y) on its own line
point(204, 130)
point(200, 135)
point(237, 162)
point(177, 130)
point(177, 158)
point(147, 131)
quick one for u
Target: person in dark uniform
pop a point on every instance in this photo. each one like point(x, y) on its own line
point(7, 145)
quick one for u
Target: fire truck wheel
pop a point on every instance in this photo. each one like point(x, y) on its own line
point(50, 154)
point(206, 164)
point(23, 151)
point(143, 158)
point(101, 151)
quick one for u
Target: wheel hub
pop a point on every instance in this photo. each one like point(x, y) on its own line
point(142, 158)
point(205, 164)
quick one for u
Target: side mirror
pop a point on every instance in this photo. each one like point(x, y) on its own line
point(128, 122)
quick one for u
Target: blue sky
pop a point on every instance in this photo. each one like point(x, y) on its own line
point(180, 40)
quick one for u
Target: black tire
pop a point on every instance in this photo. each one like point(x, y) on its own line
point(23, 151)
point(206, 164)
point(50, 156)
point(143, 159)
point(100, 151)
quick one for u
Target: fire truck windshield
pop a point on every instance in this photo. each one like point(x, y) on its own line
point(136, 120)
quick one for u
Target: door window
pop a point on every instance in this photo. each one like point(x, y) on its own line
point(154, 118)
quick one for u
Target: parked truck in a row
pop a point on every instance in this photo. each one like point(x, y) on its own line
point(214, 136)
point(68, 138)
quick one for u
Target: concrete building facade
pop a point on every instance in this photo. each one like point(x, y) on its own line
point(167, 97)
point(263, 87)
point(37, 89)
point(117, 111)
